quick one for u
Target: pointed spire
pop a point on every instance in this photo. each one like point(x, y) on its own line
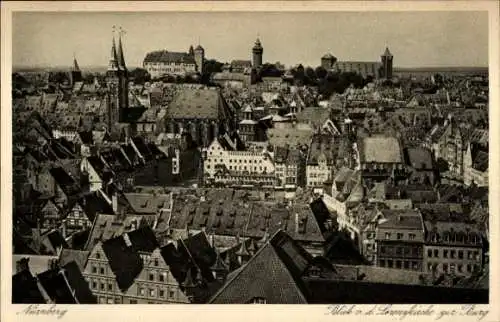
point(387, 53)
point(121, 59)
point(76, 68)
point(113, 61)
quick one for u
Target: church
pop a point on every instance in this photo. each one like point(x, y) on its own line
point(121, 114)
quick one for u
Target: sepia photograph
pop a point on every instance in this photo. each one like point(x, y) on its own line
point(270, 157)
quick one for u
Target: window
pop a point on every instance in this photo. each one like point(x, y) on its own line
point(387, 235)
point(102, 270)
point(94, 269)
point(162, 293)
point(445, 253)
point(133, 301)
point(171, 294)
point(151, 277)
point(452, 268)
point(94, 285)
point(460, 268)
point(406, 264)
point(102, 286)
point(429, 253)
point(469, 268)
point(452, 254)
point(436, 252)
point(259, 300)
point(398, 264)
point(469, 255)
point(110, 301)
point(151, 292)
point(445, 267)
point(156, 262)
point(461, 254)
point(110, 287)
point(141, 291)
point(98, 255)
point(399, 236)
point(161, 277)
point(411, 236)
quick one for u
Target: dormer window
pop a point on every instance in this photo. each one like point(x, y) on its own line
point(258, 300)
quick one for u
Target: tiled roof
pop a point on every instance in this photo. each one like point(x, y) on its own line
point(316, 116)
point(322, 148)
point(78, 284)
point(72, 255)
point(277, 267)
point(164, 56)
point(143, 239)
point(402, 219)
point(125, 263)
point(56, 287)
point(196, 103)
point(381, 149)
point(145, 203)
point(419, 158)
point(107, 226)
point(289, 136)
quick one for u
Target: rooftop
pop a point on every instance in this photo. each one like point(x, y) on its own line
point(380, 149)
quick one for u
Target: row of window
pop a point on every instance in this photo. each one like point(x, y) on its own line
point(400, 250)
point(99, 270)
point(400, 236)
point(236, 160)
point(452, 267)
point(157, 276)
point(452, 253)
point(156, 292)
point(400, 264)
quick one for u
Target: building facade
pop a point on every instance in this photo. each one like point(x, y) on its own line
point(163, 62)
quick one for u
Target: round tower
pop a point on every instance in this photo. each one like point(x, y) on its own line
point(199, 58)
point(257, 52)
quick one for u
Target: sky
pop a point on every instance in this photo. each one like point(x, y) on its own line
point(416, 39)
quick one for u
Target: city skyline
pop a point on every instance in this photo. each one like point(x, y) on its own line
point(287, 38)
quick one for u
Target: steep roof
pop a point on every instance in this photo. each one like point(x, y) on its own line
point(381, 149)
point(145, 203)
point(125, 263)
point(165, 56)
point(25, 289)
point(273, 273)
point(143, 239)
point(196, 103)
point(72, 255)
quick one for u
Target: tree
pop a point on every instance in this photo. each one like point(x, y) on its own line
point(140, 75)
point(321, 72)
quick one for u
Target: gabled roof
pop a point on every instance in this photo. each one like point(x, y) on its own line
point(72, 255)
point(273, 273)
point(55, 285)
point(164, 56)
point(125, 263)
point(143, 239)
point(25, 289)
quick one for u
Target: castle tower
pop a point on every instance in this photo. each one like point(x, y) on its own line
point(191, 51)
point(387, 64)
point(257, 52)
point(328, 61)
point(199, 58)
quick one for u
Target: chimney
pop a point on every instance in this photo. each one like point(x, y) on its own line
point(114, 202)
point(64, 229)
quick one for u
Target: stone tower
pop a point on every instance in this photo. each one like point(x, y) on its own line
point(76, 73)
point(199, 58)
point(257, 52)
point(387, 64)
point(117, 85)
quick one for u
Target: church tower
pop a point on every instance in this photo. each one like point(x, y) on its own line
point(257, 52)
point(76, 73)
point(387, 64)
point(117, 85)
point(199, 58)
